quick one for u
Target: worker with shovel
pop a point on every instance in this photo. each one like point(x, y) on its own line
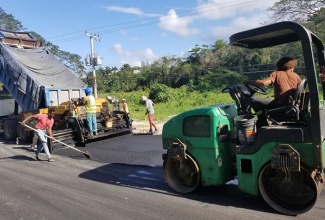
point(43, 127)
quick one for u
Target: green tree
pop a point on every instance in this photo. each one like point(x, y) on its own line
point(106, 79)
point(311, 13)
point(180, 73)
point(316, 23)
point(201, 59)
point(126, 76)
point(295, 10)
point(218, 79)
point(8, 22)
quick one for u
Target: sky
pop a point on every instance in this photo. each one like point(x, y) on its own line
point(136, 31)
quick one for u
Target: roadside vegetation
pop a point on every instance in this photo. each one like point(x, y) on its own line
point(181, 101)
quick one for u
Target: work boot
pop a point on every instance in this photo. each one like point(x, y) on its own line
point(33, 147)
point(35, 157)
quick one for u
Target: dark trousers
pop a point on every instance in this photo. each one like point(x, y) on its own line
point(259, 105)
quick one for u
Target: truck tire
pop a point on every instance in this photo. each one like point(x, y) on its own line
point(49, 144)
point(25, 136)
point(10, 129)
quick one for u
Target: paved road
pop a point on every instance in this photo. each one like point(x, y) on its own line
point(122, 180)
point(127, 149)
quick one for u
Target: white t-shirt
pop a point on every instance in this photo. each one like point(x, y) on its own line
point(150, 106)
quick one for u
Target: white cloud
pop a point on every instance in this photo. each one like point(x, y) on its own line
point(243, 18)
point(238, 24)
point(220, 9)
point(147, 53)
point(130, 10)
point(178, 25)
point(228, 17)
point(122, 32)
point(135, 39)
point(118, 50)
point(215, 10)
point(134, 57)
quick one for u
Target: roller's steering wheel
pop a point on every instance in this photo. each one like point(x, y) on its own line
point(256, 88)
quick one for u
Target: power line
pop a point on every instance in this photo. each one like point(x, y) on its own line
point(166, 77)
point(150, 21)
point(186, 76)
point(145, 19)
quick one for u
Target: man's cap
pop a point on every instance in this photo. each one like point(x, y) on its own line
point(144, 98)
point(123, 100)
point(286, 63)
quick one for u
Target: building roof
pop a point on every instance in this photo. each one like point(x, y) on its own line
point(18, 39)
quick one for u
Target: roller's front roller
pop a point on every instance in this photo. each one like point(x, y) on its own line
point(181, 174)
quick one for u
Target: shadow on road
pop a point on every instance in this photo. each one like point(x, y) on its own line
point(17, 157)
point(150, 178)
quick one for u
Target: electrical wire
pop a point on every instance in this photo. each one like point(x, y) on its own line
point(149, 21)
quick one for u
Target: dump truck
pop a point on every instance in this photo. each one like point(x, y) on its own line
point(32, 80)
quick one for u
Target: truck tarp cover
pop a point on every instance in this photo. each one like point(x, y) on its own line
point(26, 73)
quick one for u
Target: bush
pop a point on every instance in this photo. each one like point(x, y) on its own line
point(161, 93)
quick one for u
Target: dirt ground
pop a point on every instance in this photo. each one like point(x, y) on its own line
point(143, 126)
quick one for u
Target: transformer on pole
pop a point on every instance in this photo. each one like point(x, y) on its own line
point(92, 60)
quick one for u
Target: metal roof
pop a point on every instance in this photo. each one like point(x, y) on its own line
point(18, 39)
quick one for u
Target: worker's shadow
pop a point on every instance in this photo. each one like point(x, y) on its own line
point(17, 157)
point(151, 178)
point(25, 147)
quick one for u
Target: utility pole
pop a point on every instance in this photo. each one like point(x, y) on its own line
point(93, 60)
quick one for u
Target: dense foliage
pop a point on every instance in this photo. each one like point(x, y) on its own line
point(205, 69)
point(180, 100)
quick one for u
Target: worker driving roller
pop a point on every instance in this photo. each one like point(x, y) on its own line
point(285, 83)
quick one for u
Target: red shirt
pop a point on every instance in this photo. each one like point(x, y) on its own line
point(43, 122)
